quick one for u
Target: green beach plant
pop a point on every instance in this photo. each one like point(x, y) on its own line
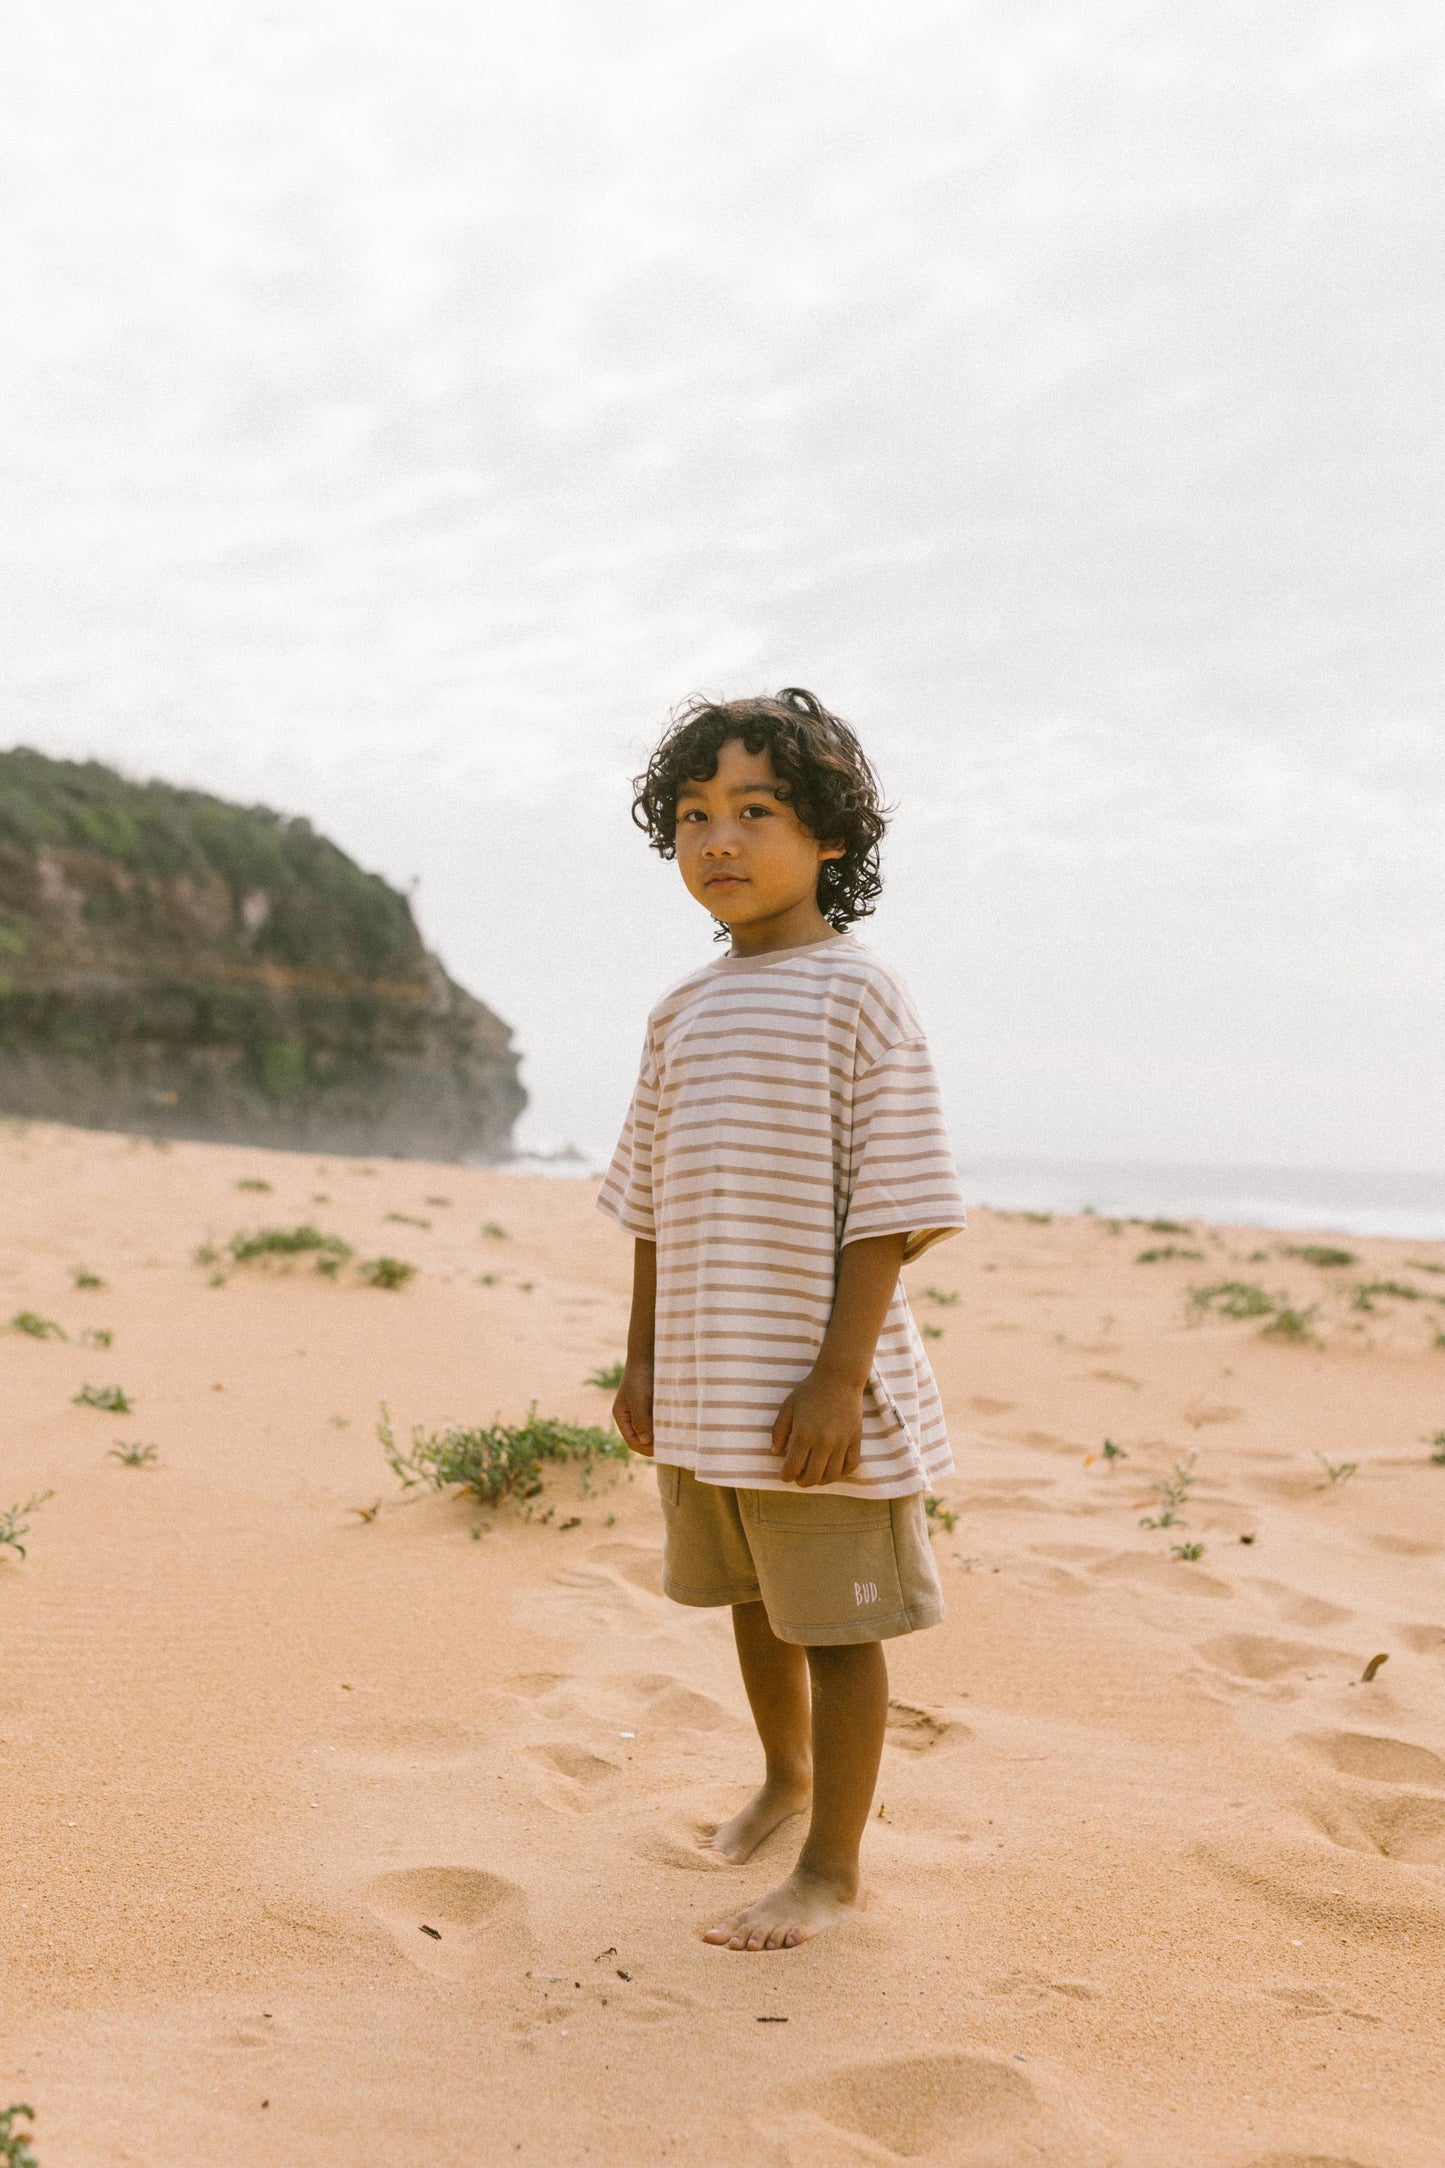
point(1232, 1298)
point(607, 1377)
point(1290, 1324)
point(83, 1277)
point(500, 1460)
point(112, 1399)
point(133, 1456)
point(937, 1511)
point(1187, 1551)
point(15, 2144)
point(1163, 1255)
point(15, 1522)
point(1370, 1291)
point(267, 1242)
point(1438, 1453)
point(387, 1272)
point(1172, 1492)
point(1323, 1254)
point(944, 1299)
point(36, 1327)
point(1338, 1471)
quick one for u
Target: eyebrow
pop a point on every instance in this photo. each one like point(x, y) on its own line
point(694, 787)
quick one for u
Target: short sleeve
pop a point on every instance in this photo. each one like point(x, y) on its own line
point(902, 1175)
point(626, 1192)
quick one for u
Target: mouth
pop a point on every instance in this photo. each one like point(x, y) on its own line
point(724, 880)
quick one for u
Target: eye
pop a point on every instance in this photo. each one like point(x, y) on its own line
point(758, 807)
point(693, 813)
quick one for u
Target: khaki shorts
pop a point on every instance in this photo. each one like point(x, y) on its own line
point(829, 1568)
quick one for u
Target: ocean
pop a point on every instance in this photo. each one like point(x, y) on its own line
point(1338, 1200)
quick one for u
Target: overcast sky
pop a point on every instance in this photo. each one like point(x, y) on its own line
point(404, 405)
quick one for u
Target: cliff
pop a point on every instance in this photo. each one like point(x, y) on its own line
point(178, 966)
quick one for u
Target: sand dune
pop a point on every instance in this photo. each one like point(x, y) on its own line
point(337, 1840)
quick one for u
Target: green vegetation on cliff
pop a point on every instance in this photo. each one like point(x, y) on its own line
point(174, 963)
point(320, 909)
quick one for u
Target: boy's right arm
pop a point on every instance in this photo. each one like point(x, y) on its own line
point(632, 1409)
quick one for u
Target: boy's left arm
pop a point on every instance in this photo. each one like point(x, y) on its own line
point(819, 1430)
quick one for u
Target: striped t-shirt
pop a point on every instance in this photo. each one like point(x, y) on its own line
point(786, 1105)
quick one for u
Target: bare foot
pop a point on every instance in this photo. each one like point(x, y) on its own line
point(738, 1839)
point(792, 1913)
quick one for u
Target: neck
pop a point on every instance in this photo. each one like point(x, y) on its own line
point(797, 927)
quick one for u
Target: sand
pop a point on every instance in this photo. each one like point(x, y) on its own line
point(1155, 1878)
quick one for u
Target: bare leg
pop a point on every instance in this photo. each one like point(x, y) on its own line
point(850, 1709)
point(775, 1674)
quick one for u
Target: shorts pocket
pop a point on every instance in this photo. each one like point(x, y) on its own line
point(669, 1482)
point(810, 1510)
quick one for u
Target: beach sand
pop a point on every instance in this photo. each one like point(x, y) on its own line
point(1155, 1877)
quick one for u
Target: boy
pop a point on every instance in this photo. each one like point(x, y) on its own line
point(783, 1157)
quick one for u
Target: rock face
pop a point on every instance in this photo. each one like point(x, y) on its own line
point(178, 966)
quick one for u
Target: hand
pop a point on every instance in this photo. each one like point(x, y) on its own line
point(632, 1409)
point(819, 1430)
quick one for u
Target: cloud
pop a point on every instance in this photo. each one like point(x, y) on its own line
point(405, 406)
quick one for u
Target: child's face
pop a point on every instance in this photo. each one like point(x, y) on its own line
point(741, 848)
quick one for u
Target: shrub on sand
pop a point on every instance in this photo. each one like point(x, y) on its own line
point(504, 1460)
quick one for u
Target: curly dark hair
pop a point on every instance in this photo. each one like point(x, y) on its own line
point(830, 784)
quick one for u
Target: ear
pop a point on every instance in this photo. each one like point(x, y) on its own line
point(831, 850)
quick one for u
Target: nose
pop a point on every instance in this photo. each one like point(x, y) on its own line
point(720, 845)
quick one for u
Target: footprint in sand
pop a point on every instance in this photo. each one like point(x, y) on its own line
point(598, 1597)
point(1381, 1759)
point(1313, 2002)
point(1198, 1413)
point(685, 1848)
point(1408, 1826)
point(584, 1778)
point(1306, 2160)
point(532, 1685)
point(1255, 1656)
point(1049, 1441)
point(639, 1563)
point(919, 1729)
point(1176, 1577)
point(463, 1908)
point(648, 2007)
point(1038, 1986)
point(668, 1702)
point(1298, 1609)
point(1333, 1873)
point(952, 2107)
